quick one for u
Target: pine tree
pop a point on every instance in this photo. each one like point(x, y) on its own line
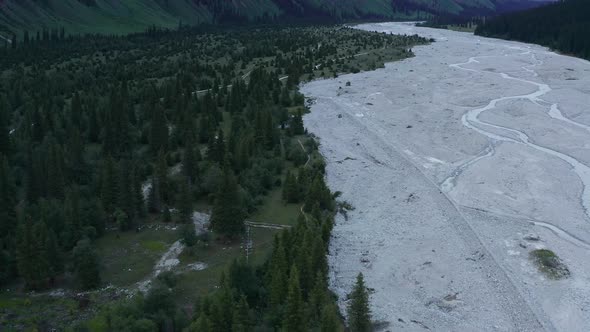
point(185, 202)
point(159, 130)
point(228, 214)
point(55, 174)
point(317, 297)
point(190, 168)
point(297, 124)
point(5, 143)
point(72, 227)
point(241, 318)
point(294, 317)
point(108, 184)
point(359, 314)
point(93, 125)
point(202, 324)
point(329, 320)
point(136, 192)
point(161, 177)
point(54, 255)
point(126, 195)
point(86, 265)
point(278, 274)
point(31, 258)
point(290, 189)
point(76, 110)
point(216, 147)
point(7, 199)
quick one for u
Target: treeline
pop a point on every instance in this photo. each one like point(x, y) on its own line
point(562, 26)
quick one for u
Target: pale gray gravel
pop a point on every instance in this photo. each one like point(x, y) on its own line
point(452, 160)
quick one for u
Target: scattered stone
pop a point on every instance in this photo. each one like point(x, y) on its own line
point(420, 324)
point(523, 245)
point(532, 237)
point(411, 198)
point(339, 116)
point(408, 126)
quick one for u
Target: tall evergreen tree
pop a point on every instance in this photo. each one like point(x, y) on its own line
point(5, 142)
point(86, 265)
point(185, 202)
point(294, 316)
point(228, 214)
point(359, 313)
point(159, 130)
point(7, 200)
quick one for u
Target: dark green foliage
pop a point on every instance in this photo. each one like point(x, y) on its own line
point(185, 201)
point(297, 124)
point(294, 314)
point(563, 26)
point(188, 236)
point(94, 122)
point(227, 218)
point(86, 266)
point(32, 258)
point(359, 313)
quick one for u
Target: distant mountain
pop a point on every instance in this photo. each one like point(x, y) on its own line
point(122, 16)
point(563, 26)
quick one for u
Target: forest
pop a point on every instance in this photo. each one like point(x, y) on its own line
point(562, 26)
point(112, 149)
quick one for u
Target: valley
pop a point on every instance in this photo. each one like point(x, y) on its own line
point(464, 164)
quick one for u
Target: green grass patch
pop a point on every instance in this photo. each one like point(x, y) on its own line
point(218, 256)
point(274, 211)
point(548, 263)
point(152, 245)
point(130, 256)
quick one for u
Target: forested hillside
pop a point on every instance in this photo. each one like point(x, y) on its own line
point(563, 26)
point(113, 16)
point(114, 151)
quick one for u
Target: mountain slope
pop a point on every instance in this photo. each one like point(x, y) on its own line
point(563, 26)
point(116, 16)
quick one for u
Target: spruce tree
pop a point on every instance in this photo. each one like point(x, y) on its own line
point(5, 142)
point(294, 320)
point(278, 274)
point(329, 319)
point(359, 314)
point(185, 202)
point(161, 178)
point(202, 324)
point(86, 265)
point(228, 214)
point(159, 130)
point(125, 191)
point(7, 199)
point(297, 124)
point(241, 318)
point(108, 184)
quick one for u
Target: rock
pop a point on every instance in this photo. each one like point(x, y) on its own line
point(532, 237)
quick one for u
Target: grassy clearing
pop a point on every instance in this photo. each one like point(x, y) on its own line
point(549, 263)
point(274, 211)
point(217, 256)
point(129, 257)
point(25, 313)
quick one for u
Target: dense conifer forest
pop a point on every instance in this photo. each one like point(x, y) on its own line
point(110, 145)
point(562, 26)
